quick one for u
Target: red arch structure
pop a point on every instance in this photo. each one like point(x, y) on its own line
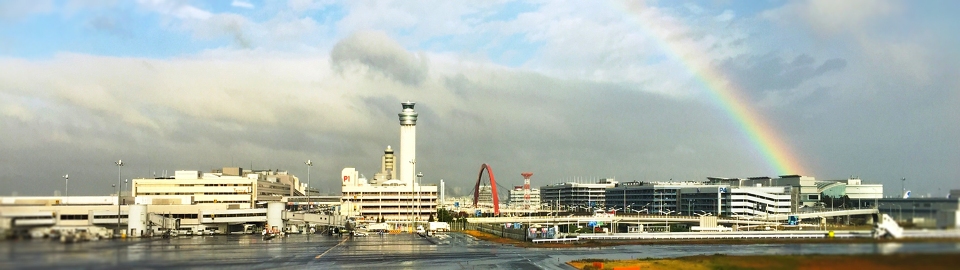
point(493, 187)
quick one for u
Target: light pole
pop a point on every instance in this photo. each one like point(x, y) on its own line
point(903, 189)
point(412, 190)
point(119, 164)
point(66, 188)
point(306, 191)
point(656, 197)
point(666, 218)
point(558, 201)
point(419, 196)
point(624, 198)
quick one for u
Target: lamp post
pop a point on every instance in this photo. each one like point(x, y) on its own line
point(306, 191)
point(903, 189)
point(419, 198)
point(412, 190)
point(666, 218)
point(558, 200)
point(66, 188)
point(657, 198)
point(119, 164)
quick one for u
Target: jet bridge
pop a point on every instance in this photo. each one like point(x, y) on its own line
point(162, 223)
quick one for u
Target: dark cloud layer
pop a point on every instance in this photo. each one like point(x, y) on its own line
point(379, 53)
point(771, 72)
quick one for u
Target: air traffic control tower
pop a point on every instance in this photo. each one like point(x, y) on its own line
point(408, 143)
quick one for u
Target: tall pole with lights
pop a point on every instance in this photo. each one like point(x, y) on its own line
point(903, 189)
point(419, 196)
point(413, 189)
point(307, 190)
point(119, 164)
point(66, 188)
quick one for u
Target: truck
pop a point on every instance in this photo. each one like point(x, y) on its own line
point(439, 226)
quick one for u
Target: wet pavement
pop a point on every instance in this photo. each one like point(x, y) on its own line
point(399, 251)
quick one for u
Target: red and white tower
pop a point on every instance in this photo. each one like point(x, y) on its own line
point(526, 189)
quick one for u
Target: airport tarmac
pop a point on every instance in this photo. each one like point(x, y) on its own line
point(397, 251)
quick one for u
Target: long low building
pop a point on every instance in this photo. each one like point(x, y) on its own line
point(37, 216)
point(717, 196)
point(571, 195)
point(233, 187)
point(691, 198)
point(84, 212)
point(923, 212)
point(198, 201)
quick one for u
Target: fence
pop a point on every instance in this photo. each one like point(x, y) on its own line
point(501, 230)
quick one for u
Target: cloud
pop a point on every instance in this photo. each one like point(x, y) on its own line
point(771, 72)
point(828, 18)
point(561, 89)
point(177, 9)
point(17, 112)
point(18, 10)
point(379, 53)
point(241, 4)
point(304, 5)
point(727, 15)
point(231, 25)
point(202, 23)
point(113, 24)
point(271, 110)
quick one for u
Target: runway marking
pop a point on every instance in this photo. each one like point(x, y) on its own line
point(331, 248)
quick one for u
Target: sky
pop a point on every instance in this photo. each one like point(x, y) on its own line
point(568, 90)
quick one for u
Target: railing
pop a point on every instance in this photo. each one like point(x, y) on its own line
point(707, 236)
point(500, 230)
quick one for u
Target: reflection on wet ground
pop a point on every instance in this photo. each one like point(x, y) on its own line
point(398, 251)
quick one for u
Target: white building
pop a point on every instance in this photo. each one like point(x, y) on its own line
point(517, 198)
point(696, 198)
point(577, 195)
point(195, 201)
point(399, 198)
point(232, 187)
point(807, 191)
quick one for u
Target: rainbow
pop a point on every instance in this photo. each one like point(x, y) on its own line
point(778, 155)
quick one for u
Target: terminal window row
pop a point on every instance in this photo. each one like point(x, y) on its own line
point(222, 201)
point(34, 217)
point(192, 193)
point(74, 217)
point(181, 216)
point(108, 216)
point(235, 215)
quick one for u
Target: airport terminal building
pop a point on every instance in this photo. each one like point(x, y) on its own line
point(572, 195)
point(196, 201)
point(716, 196)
